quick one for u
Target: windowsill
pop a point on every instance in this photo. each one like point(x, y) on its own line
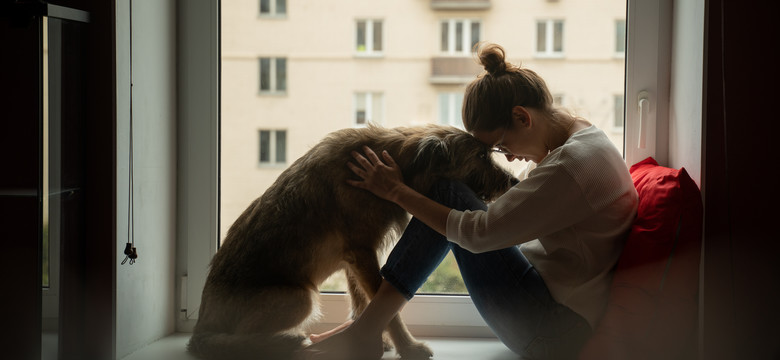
point(172, 347)
point(550, 56)
point(272, 16)
point(272, 93)
point(361, 55)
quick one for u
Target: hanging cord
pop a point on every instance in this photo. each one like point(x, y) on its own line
point(130, 251)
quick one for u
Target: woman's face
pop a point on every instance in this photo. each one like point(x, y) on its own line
point(520, 140)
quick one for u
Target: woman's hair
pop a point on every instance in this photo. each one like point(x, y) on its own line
point(489, 99)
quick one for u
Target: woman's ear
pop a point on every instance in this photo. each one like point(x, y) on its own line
point(521, 116)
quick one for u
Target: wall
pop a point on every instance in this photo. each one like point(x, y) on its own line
point(685, 105)
point(145, 290)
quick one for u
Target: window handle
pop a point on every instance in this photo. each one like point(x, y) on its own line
point(644, 108)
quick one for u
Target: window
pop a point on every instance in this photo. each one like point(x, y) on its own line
point(273, 75)
point(368, 108)
point(450, 104)
point(620, 37)
point(335, 74)
point(273, 147)
point(458, 36)
point(549, 38)
point(273, 7)
point(618, 116)
point(368, 37)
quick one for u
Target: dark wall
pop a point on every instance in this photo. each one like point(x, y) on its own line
point(741, 287)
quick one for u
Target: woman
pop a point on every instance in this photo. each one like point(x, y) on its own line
point(569, 218)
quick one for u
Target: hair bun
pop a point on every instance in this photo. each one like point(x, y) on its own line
point(492, 57)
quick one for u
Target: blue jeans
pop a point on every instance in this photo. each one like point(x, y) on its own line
point(506, 289)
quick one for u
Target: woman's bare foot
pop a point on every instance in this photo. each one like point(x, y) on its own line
point(346, 345)
point(315, 338)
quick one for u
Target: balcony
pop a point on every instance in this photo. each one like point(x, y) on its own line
point(460, 4)
point(454, 70)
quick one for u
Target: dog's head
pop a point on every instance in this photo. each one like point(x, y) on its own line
point(451, 153)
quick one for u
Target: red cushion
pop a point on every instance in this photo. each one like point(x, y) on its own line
point(653, 303)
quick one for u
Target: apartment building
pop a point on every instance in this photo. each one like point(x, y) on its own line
point(292, 71)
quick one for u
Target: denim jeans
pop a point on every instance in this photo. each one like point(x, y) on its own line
point(506, 289)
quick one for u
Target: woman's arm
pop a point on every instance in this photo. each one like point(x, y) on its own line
point(386, 181)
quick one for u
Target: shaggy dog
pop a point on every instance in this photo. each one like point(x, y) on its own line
point(262, 289)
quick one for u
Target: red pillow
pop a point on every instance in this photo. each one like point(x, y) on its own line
point(653, 303)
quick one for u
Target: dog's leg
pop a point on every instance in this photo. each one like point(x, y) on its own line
point(366, 270)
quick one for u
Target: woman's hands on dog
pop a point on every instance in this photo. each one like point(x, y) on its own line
point(384, 179)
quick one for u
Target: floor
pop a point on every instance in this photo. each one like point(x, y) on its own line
point(172, 348)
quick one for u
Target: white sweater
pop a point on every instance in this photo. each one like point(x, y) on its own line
point(570, 217)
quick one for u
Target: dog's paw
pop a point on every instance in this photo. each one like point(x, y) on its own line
point(387, 344)
point(415, 351)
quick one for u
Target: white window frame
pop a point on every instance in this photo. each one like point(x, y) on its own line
point(272, 9)
point(271, 148)
point(453, 101)
point(549, 39)
point(620, 54)
point(371, 99)
point(369, 46)
point(273, 86)
point(647, 71)
point(465, 41)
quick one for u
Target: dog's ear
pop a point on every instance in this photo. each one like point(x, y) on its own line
point(432, 152)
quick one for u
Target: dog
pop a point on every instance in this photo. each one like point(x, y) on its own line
point(262, 288)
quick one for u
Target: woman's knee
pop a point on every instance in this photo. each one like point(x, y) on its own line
point(456, 195)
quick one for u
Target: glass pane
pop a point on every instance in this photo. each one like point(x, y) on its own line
point(265, 6)
point(360, 109)
point(265, 74)
point(265, 146)
point(474, 34)
point(281, 74)
point(281, 146)
point(445, 36)
point(619, 113)
point(558, 40)
point(361, 36)
point(281, 7)
point(541, 36)
point(458, 36)
point(409, 86)
point(377, 36)
point(376, 108)
point(620, 36)
point(444, 108)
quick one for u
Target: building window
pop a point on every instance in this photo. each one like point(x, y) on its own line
point(368, 37)
point(273, 147)
point(273, 75)
point(620, 38)
point(549, 38)
point(273, 7)
point(450, 105)
point(617, 122)
point(458, 36)
point(368, 108)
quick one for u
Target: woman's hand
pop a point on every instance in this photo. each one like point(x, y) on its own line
point(384, 179)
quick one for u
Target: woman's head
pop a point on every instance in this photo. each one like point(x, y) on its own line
point(489, 99)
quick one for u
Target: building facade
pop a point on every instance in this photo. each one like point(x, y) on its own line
point(293, 71)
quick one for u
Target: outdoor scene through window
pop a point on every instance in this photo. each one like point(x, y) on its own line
point(294, 71)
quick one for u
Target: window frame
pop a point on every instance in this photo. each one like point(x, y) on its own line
point(466, 41)
point(549, 39)
point(454, 102)
point(273, 155)
point(369, 38)
point(272, 9)
point(273, 75)
point(647, 70)
point(369, 98)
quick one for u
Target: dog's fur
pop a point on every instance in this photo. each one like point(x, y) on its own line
point(262, 287)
